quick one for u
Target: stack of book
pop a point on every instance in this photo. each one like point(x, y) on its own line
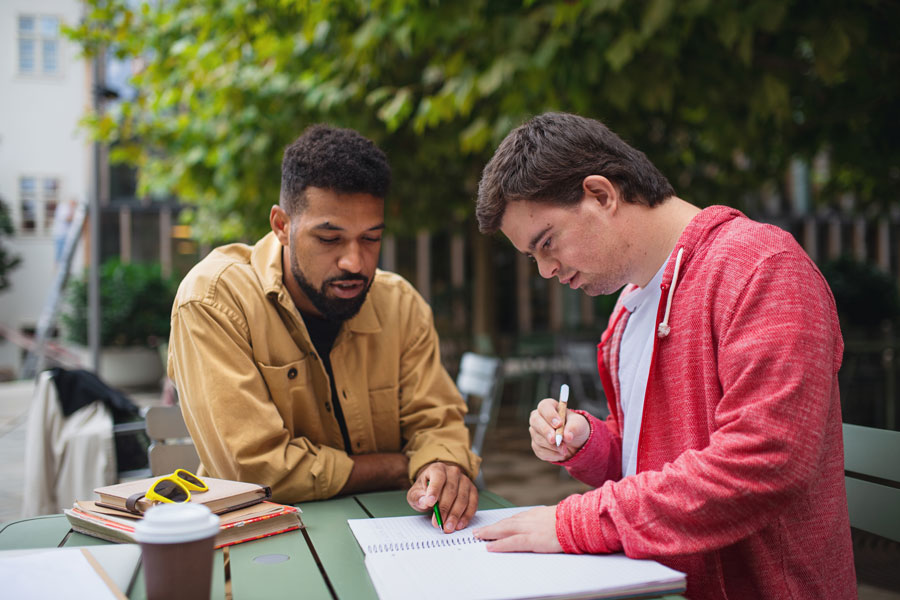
point(245, 512)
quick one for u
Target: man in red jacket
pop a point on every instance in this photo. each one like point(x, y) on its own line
point(722, 455)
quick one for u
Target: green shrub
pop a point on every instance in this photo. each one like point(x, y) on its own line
point(135, 305)
point(8, 261)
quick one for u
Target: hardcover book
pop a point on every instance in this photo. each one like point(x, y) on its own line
point(223, 495)
point(241, 525)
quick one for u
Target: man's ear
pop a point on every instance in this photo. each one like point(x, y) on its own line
point(281, 224)
point(601, 189)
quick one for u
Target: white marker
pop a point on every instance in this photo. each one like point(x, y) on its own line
point(561, 410)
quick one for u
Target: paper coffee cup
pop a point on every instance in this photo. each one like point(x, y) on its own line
point(177, 550)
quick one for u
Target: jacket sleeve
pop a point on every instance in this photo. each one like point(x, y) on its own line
point(431, 408)
point(600, 458)
point(236, 427)
point(778, 352)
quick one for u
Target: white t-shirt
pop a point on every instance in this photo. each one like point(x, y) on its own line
point(635, 354)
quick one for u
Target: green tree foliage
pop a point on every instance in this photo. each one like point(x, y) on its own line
point(721, 95)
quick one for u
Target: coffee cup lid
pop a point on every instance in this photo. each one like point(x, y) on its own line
point(173, 523)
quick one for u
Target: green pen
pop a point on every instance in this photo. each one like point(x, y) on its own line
point(437, 516)
point(437, 511)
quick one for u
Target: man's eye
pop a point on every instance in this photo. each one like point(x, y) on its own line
point(373, 240)
point(531, 258)
point(546, 244)
point(329, 240)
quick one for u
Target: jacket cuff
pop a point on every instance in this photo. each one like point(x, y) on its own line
point(578, 526)
point(581, 458)
point(463, 458)
point(330, 471)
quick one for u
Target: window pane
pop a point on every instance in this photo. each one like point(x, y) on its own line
point(27, 201)
point(49, 27)
point(26, 24)
point(27, 186)
point(26, 56)
point(28, 215)
point(51, 190)
point(50, 210)
point(48, 56)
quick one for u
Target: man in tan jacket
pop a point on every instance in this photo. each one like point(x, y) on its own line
point(302, 367)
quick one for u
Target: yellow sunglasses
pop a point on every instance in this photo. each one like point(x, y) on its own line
point(175, 488)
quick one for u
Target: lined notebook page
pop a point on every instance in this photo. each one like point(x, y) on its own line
point(406, 533)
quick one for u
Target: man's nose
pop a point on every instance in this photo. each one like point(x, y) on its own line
point(547, 267)
point(351, 259)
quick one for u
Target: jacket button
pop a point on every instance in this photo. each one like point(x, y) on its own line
point(292, 372)
point(328, 406)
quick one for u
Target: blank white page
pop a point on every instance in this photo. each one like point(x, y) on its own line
point(66, 573)
point(473, 573)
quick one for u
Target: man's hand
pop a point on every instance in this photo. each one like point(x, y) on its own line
point(542, 426)
point(451, 488)
point(530, 531)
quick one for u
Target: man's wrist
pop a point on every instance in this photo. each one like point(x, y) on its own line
point(388, 470)
point(443, 462)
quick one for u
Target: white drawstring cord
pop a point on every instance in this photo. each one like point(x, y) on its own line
point(664, 328)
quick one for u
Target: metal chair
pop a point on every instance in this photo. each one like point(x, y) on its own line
point(584, 378)
point(872, 476)
point(170, 443)
point(480, 377)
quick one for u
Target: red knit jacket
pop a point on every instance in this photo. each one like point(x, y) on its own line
point(739, 479)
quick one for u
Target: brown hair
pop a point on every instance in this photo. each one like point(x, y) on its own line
point(547, 158)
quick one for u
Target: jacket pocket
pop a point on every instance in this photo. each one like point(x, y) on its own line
point(385, 406)
point(288, 384)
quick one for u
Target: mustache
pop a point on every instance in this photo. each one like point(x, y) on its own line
point(346, 277)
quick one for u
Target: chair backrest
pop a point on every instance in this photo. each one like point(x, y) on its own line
point(584, 378)
point(170, 443)
point(872, 470)
point(479, 376)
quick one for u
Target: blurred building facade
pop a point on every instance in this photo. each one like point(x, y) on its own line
point(45, 161)
point(48, 163)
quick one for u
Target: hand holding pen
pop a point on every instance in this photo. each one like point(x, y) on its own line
point(445, 491)
point(551, 421)
point(561, 410)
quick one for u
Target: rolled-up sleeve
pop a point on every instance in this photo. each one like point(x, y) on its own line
point(431, 408)
point(237, 428)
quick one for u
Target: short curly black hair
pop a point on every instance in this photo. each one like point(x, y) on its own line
point(334, 159)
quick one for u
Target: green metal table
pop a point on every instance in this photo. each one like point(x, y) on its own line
point(321, 562)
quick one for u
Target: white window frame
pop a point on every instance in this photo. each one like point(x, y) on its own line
point(40, 39)
point(40, 202)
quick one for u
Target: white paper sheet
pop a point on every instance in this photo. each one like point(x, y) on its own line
point(408, 559)
point(66, 573)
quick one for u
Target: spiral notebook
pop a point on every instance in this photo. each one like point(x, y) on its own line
point(405, 556)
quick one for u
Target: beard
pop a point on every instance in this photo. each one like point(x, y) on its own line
point(333, 309)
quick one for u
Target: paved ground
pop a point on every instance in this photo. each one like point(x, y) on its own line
point(14, 402)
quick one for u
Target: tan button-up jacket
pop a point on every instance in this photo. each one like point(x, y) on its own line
point(257, 399)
